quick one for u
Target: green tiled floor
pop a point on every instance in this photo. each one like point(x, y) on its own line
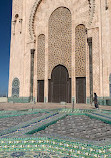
point(48, 145)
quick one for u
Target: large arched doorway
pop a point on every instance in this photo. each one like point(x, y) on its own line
point(60, 85)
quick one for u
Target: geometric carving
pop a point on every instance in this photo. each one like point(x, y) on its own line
point(35, 7)
point(60, 39)
point(80, 51)
point(41, 57)
point(32, 17)
point(15, 87)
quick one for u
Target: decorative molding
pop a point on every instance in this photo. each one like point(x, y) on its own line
point(31, 19)
point(19, 100)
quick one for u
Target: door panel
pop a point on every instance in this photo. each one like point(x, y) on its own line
point(80, 90)
point(63, 92)
point(59, 85)
point(69, 91)
point(40, 95)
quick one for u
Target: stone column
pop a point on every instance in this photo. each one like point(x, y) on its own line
point(32, 75)
point(46, 77)
point(46, 67)
point(90, 69)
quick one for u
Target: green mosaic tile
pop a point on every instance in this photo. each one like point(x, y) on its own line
point(50, 146)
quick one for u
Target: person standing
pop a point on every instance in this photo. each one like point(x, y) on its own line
point(96, 101)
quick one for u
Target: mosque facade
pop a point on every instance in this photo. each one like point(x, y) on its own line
point(60, 51)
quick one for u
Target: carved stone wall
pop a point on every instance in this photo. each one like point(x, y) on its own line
point(91, 10)
point(41, 57)
point(94, 33)
point(17, 8)
point(60, 39)
point(87, 13)
point(43, 17)
point(80, 51)
point(96, 61)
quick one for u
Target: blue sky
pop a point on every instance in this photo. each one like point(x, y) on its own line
point(5, 35)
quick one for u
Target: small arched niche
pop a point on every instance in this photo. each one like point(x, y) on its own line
point(15, 87)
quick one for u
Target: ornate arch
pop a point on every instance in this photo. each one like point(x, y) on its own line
point(35, 7)
point(59, 65)
point(60, 39)
point(31, 19)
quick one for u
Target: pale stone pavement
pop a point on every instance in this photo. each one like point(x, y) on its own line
point(22, 106)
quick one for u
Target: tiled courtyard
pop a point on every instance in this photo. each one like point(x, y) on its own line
point(55, 132)
point(81, 127)
point(15, 120)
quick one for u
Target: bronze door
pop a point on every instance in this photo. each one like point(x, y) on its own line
point(80, 90)
point(40, 94)
point(59, 85)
